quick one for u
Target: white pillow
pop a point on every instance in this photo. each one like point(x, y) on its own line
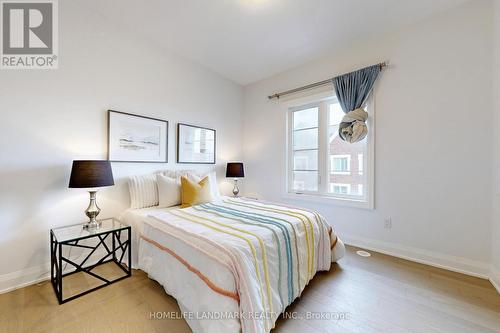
point(212, 177)
point(169, 173)
point(143, 191)
point(169, 191)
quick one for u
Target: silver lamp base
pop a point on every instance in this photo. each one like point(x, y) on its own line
point(236, 190)
point(92, 211)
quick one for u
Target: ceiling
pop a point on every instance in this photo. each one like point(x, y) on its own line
point(248, 40)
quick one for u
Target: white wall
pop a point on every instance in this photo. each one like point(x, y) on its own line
point(433, 140)
point(433, 165)
point(49, 118)
point(495, 240)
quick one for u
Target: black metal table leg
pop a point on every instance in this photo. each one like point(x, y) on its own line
point(51, 258)
point(57, 258)
point(129, 231)
point(59, 275)
point(113, 245)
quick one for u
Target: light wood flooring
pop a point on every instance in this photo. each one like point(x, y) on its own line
point(376, 294)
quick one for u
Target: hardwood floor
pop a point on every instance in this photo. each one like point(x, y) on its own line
point(376, 294)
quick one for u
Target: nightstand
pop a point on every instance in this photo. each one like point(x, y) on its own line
point(98, 246)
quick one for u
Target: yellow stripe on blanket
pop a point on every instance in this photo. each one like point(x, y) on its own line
point(196, 219)
point(303, 218)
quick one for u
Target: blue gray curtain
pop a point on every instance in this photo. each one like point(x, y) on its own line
point(352, 90)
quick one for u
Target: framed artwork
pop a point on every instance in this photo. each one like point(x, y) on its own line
point(195, 145)
point(134, 138)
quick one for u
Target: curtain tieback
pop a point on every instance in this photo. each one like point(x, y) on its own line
point(353, 128)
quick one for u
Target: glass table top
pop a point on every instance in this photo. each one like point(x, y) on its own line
point(76, 231)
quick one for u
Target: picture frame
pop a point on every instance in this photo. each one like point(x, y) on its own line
point(195, 144)
point(137, 139)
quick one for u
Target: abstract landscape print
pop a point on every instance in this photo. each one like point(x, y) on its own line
point(134, 138)
point(195, 144)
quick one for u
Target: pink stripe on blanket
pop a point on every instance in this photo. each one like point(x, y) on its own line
point(205, 279)
point(235, 262)
point(231, 268)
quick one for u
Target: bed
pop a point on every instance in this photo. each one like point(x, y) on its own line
point(233, 264)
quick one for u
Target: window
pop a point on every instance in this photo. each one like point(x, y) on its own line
point(320, 164)
point(340, 164)
point(360, 189)
point(360, 164)
point(342, 189)
point(305, 149)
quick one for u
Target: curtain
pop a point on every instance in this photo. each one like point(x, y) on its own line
point(352, 90)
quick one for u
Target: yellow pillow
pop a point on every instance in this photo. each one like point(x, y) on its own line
point(193, 193)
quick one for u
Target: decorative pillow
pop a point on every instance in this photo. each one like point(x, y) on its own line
point(177, 174)
point(194, 193)
point(169, 191)
point(143, 191)
point(169, 173)
point(214, 188)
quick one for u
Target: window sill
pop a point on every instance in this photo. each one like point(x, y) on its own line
point(323, 199)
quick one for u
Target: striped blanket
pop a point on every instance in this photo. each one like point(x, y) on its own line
point(236, 264)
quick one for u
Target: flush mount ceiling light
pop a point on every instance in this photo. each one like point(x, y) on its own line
point(362, 253)
point(255, 3)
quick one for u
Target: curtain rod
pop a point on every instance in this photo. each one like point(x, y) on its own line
point(314, 85)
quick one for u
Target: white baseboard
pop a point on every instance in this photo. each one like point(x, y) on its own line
point(23, 278)
point(451, 263)
point(495, 278)
point(37, 274)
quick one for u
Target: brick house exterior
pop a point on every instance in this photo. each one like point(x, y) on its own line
point(354, 153)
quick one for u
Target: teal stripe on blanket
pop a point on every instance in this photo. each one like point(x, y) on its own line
point(265, 220)
point(275, 236)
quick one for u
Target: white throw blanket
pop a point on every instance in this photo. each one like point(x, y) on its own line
point(239, 261)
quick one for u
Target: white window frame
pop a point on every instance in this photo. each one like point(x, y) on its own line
point(348, 157)
point(323, 197)
point(360, 186)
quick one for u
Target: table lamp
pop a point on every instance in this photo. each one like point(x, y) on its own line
point(91, 174)
point(235, 170)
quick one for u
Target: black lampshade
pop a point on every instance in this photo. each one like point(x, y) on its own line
point(91, 174)
point(235, 170)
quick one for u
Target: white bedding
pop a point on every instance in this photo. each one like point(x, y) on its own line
point(136, 218)
point(232, 257)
